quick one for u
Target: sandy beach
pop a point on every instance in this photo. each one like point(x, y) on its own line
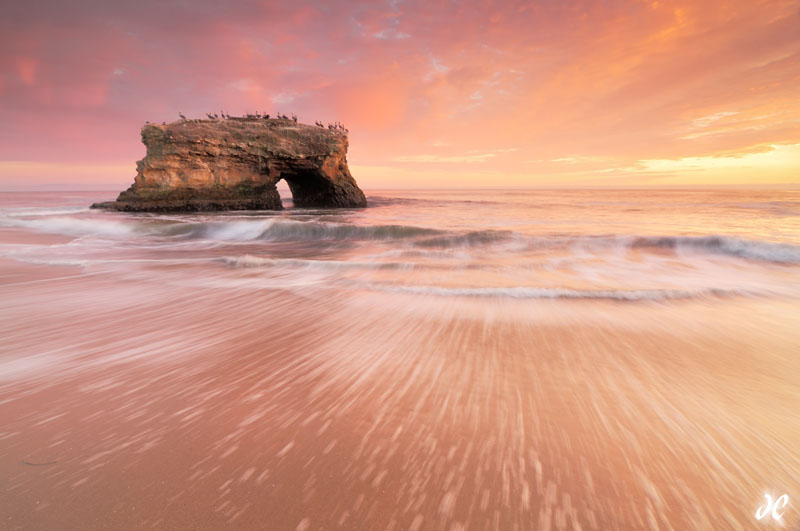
point(141, 404)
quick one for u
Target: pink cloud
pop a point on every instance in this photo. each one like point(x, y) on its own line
point(27, 70)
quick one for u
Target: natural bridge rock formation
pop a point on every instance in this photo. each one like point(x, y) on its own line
point(234, 164)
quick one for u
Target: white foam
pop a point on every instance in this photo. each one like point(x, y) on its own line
point(726, 245)
point(258, 261)
point(73, 226)
point(523, 292)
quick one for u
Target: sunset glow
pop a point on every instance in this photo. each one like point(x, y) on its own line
point(435, 94)
point(400, 265)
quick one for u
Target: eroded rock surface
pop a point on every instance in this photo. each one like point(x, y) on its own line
point(235, 163)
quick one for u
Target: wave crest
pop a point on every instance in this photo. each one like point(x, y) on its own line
point(741, 248)
point(247, 261)
point(521, 292)
point(275, 229)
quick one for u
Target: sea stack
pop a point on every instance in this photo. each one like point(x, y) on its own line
point(235, 163)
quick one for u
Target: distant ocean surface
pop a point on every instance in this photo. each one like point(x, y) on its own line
point(443, 359)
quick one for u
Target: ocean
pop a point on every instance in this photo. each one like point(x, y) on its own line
point(443, 359)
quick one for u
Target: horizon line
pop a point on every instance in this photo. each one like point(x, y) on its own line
point(698, 187)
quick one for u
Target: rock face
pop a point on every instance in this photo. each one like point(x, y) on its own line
point(234, 164)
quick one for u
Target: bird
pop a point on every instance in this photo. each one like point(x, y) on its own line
point(181, 115)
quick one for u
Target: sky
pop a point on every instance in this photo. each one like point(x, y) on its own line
point(436, 94)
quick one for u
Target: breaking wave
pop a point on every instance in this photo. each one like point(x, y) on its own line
point(275, 229)
point(285, 230)
point(238, 230)
point(519, 292)
point(749, 249)
point(468, 239)
point(333, 265)
point(72, 226)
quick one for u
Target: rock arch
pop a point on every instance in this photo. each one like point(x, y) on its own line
point(236, 164)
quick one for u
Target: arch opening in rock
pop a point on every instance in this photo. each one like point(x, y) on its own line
point(285, 192)
point(310, 189)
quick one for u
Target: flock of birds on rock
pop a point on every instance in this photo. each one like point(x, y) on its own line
point(336, 126)
point(255, 116)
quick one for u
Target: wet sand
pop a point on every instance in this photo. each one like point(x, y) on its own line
point(157, 402)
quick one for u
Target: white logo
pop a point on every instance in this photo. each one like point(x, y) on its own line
point(772, 507)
